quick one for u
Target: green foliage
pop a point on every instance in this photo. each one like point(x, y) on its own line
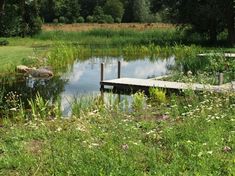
point(199, 137)
point(62, 19)
point(4, 42)
point(11, 56)
point(115, 9)
point(219, 63)
point(207, 18)
point(141, 11)
point(98, 15)
point(71, 10)
point(89, 19)
point(63, 55)
point(117, 20)
point(39, 107)
point(10, 22)
point(139, 100)
point(80, 19)
point(123, 10)
point(20, 19)
point(35, 27)
point(158, 95)
point(108, 19)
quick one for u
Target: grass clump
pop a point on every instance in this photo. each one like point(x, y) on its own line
point(158, 95)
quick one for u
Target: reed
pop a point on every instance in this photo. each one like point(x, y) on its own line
point(114, 38)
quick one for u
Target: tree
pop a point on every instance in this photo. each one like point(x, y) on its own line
point(88, 6)
point(156, 5)
point(228, 9)
point(19, 18)
point(141, 10)
point(31, 17)
point(114, 8)
point(128, 13)
point(71, 10)
point(209, 17)
point(98, 14)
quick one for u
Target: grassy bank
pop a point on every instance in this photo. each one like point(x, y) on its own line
point(188, 135)
point(13, 55)
point(101, 37)
point(93, 42)
point(129, 41)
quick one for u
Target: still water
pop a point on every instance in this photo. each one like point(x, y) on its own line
point(84, 76)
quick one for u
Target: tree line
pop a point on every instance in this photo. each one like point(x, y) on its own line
point(209, 18)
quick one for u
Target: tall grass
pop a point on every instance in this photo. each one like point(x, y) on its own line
point(189, 135)
point(114, 37)
point(61, 55)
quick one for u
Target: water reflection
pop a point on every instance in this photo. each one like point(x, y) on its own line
point(84, 77)
point(28, 88)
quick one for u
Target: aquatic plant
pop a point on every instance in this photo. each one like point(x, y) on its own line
point(43, 109)
point(139, 101)
point(61, 55)
point(158, 95)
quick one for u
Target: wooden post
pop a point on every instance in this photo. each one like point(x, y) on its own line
point(119, 69)
point(102, 75)
point(233, 85)
point(221, 78)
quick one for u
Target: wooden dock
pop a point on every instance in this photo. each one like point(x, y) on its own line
point(226, 55)
point(134, 84)
point(144, 84)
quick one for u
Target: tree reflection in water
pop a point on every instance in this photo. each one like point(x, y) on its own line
point(25, 88)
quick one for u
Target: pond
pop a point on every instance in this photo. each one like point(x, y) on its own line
point(84, 77)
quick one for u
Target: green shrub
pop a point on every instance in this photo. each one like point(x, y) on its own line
point(98, 15)
point(62, 19)
point(108, 19)
point(55, 21)
point(89, 19)
point(35, 26)
point(117, 20)
point(80, 19)
point(4, 42)
point(114, 8)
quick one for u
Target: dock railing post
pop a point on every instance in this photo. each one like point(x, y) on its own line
point(119, 69)
point(221, 78)
point(102, 75)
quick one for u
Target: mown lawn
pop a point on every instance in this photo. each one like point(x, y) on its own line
point(10, 56)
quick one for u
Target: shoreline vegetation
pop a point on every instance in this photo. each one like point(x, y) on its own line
point(102, 40)
point(185, 133)
point(190, 134)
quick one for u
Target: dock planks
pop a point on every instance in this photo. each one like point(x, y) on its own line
point(227, 55)
point(144, 84)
